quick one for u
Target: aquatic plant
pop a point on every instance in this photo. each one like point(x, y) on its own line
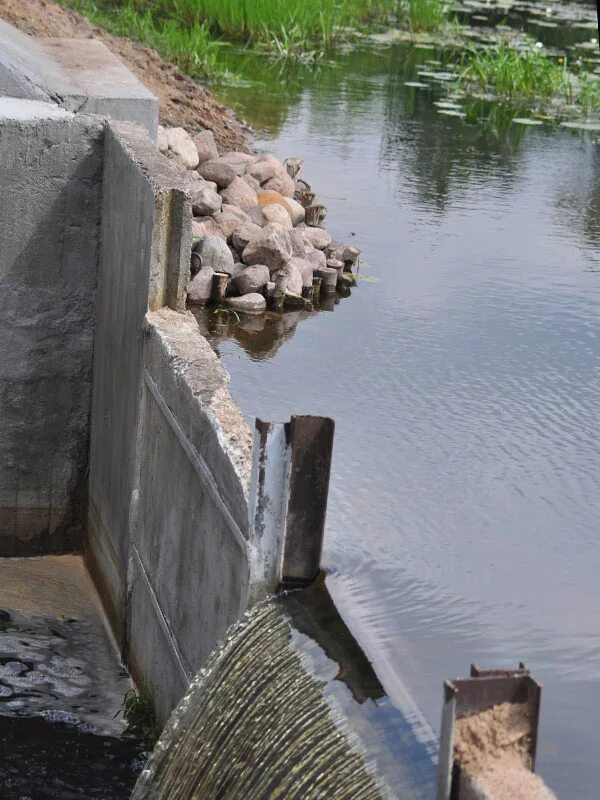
point(514, 73)
point(138, 712)
point(426, 15)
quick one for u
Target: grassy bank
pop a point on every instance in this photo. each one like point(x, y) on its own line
point(190, 32)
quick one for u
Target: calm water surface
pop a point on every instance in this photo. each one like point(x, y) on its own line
point(465, 385)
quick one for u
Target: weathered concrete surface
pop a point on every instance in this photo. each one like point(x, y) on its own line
point(80, 75)
point(191, 559)
point(49, 218)
point(145, 245)
point(57, 656)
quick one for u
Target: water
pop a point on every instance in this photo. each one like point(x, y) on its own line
point(465, 497)
point(288, 707)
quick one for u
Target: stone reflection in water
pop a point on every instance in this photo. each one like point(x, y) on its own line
point(288, 707)
point(260, 336)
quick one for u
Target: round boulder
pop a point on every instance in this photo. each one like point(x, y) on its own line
point(277, 214)
point(239, 194)
point(252, 279)
point(219, 172)
point(199, 290)
point(319, 238)
point(271, 246)
point(248, 304)
point(206, 146)
point(180, 143)
point(288, 279)
point(205, 202)
point(282, 183)
point(243, 234)
point(216, 254)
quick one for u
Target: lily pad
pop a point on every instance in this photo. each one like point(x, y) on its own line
point(416, 84)
point(527, 121)
point(582, 126)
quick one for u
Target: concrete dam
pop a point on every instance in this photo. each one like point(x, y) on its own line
point(137, 506)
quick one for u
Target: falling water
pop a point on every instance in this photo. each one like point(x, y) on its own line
point(257, 723)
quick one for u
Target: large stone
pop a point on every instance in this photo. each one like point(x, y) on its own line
point(252, 182)
point(282, 183)
point(206, 146)
point(256, 215)
point(244, 234)
point(316, 257)
point(204, 201)
point(252, 279)
point(230, 218)
point(298, 245)
point(206, 226)
point(162, 140)
point(217, 255)
point(248, 304)
point(305, 268)
point(200, 288)
point(277, 214)
point(298, 212)
point(239, 194)
point(319, 238)
point(238, 157)
point(266, 198)
point(219, 172)
point(181, 143)
point(262, 171)
point(288, 279)
point(272, 247)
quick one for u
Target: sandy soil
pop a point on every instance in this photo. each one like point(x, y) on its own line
point(182, 101)
point(493, 749)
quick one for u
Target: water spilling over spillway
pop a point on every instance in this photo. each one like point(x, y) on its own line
point(269, 717)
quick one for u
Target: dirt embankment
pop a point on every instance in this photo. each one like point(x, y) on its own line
point(182, 101)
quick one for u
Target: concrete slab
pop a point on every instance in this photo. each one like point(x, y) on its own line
point(81, 75)
point(57, 658)
point(30, 110)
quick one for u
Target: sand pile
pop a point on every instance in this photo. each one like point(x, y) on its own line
point(492, 748)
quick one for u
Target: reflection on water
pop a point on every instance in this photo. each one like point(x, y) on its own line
point(465, 491)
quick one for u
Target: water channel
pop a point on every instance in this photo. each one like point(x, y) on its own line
point(463, 377)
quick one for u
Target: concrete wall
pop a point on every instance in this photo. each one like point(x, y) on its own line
point(49, 220)
point(81, 75)
point(190, 562)
point(145, 229)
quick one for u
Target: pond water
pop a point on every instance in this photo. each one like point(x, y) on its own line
point(464, 381)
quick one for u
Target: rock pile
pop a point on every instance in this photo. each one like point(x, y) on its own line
point(258, 231)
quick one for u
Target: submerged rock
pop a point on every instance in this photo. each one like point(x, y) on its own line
point(248, 304)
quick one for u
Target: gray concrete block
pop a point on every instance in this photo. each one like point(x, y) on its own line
point(81, 75)
point(49, 221)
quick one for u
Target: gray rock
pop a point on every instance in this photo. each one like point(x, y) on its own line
point(176, 163)
point(239, 194)
point(269, 289)
point(277, 214)
point(205, 202)
point(298, 211)
point(252, 279)
point(206, 226)
point(216, 254)
point(305, 268)
point(219, 172)
point(319, 238)
point(243, 234)
point(288, 279)
point(200, 288)
point(262, 171)
point(272, 247)
point(230, 218)
point(316, 258)
point(282, 183)
point(298, 248)
point(248, 304)
point(206, 146)
point(252, 182)
point(180, 143)
point(256, 215)
point(162, 141)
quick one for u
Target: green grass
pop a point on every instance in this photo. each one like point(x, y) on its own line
point(425, 15)
point(516, 74)
point(138, 712)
